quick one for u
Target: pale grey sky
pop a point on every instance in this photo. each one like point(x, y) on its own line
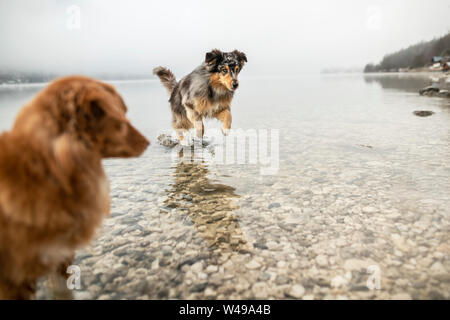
point(279, 37)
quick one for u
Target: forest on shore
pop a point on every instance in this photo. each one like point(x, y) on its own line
point(416, 56)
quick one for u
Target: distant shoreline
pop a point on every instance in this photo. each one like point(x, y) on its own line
point(136, 80)
point(413, 72)
point(43, 84)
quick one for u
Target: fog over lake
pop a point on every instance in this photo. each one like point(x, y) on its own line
point(279, 38)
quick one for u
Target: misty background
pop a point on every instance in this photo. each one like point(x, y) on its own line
point(279, 37)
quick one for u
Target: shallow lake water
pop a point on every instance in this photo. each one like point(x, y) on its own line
point(357, 207)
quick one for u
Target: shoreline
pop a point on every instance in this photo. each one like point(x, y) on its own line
point(413, 72)
point(43, 84)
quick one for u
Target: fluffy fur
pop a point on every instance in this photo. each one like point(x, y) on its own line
point(53, 190)
point(205, 92)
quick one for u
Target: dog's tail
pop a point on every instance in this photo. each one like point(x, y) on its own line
point(167, 78)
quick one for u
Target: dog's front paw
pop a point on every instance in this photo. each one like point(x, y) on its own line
point(225, 131)
point(185, 142)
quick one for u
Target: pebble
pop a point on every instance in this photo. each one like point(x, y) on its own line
point(199, 287)
point(253, 265)
point(438, 269)
point(212, 269)
point(264, 276)
point(399, 242)
point(401, 296)
point(355, 264)
point(297, 291)
point(197, 267)
point(82, 295)
point(338, 282)
point(274, 205)
point(369, 210)
point(322, 260)
point(281, 280)
point(210, 293)
point(259, 290)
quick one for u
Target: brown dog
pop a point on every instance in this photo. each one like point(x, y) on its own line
point(53, 190)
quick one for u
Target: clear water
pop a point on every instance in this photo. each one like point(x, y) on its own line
point(363, 184)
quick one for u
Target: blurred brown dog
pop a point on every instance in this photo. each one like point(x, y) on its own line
point(53, 190)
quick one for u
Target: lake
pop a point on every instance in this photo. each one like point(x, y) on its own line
point(356, 205)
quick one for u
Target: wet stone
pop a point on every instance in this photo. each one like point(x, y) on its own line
point(199, 287)
point(274, 205)
point(253, 265)
point(423, 113)
point(297, 291)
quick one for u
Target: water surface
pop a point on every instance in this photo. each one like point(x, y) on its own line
point(363, 184)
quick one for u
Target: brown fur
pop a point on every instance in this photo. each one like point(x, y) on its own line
point(53, 190)
point(219, 81)
point(225, 117)
point(204, 107)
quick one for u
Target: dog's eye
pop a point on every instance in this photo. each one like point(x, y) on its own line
point(224, 71)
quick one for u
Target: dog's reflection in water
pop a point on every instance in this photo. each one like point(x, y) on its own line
point(209, 205)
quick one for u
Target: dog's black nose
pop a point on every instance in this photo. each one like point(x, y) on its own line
point(235, 84)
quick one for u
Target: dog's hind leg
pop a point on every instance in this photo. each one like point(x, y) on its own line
point(182, 130)
point(182, 136)
point(195, 118)
point(181, 127)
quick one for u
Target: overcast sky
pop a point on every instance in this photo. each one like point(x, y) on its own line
point(279, 37)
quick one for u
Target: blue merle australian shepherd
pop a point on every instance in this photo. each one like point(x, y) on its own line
point(204, 93)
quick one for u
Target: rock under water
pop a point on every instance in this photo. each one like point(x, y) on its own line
point(423, 113)
point(167, 140)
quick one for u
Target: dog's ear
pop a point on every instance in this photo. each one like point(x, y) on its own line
point(213, 58)
point(96, 110)
point(241, 57)
point(96, 103)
